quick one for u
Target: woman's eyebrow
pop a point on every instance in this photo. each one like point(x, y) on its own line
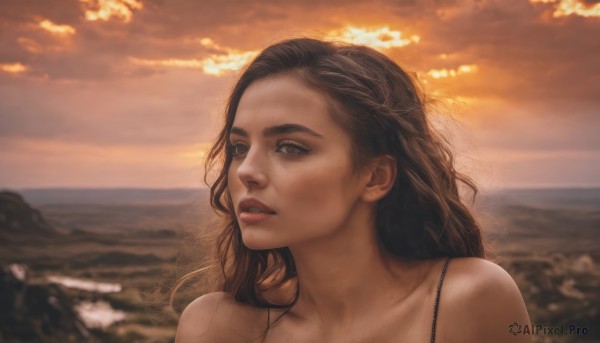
point(277, 130)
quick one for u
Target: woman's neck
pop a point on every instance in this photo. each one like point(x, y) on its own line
point(344, 276)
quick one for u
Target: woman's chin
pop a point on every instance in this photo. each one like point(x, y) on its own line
point(255, 242)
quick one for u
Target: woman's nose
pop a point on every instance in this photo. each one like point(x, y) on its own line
point(251, 171)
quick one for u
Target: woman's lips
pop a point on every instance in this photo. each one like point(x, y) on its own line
point(254, 217)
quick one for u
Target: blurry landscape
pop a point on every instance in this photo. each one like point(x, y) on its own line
point(90, 265)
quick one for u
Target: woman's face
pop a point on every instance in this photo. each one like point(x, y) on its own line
point(289, 154)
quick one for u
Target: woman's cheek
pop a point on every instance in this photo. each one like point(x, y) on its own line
point(317, 198)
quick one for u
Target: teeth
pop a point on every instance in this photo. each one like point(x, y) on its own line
point(254, 209)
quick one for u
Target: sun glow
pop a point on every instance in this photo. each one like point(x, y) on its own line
point(106, 9)
point(218, 64)
point(226, 60)
point(572, 7)
point(13, 68)
point(378, 38)
point(171, 62)
point(55, 28)
point(198, 152)
point(444, 73)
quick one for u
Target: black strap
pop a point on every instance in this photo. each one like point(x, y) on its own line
point(437, 300)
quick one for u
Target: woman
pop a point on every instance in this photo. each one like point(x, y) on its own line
point(343, 215)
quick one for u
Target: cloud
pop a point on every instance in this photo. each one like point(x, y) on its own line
point(13, 68)
point(108, 9)
point(56, 28)
point(377, 38)
point(178, 107)
point(444, 73)
point(564, 8)
point(143, 77)
point(520, 55)
point(226, 60)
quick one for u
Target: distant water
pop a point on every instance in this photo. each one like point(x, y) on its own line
point(98, 314)
point(108, 196)
point(95, 314)
point(86, 285)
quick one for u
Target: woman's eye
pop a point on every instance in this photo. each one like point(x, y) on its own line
point(291, 150)
point(238, 149)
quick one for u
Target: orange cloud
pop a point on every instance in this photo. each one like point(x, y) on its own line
point(213, 65)
point(56, 28)
point(30, 45)
point(216, 64)
point(171, 62)
point(444, 73)
point(219, 64)
point(209, 43)
point(13, 68)
point(572, 7)
point(228, 59)
point(377, 38)
point(107, 9)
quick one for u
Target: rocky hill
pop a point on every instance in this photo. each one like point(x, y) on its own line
point(36, 313)
point(18, 217)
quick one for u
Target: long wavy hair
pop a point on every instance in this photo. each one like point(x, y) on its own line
point(382, 108)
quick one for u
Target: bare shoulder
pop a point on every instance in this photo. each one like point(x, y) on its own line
point(217, 317)
point(477, 270)
point(199, 320)
point(479, 302)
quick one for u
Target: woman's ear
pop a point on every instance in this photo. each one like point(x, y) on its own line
point(381, 178)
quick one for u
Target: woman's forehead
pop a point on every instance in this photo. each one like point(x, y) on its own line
point(281, 99)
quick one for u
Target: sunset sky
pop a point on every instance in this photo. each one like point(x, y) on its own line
point(129, 93)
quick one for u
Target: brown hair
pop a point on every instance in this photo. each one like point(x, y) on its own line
point(383, 110)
